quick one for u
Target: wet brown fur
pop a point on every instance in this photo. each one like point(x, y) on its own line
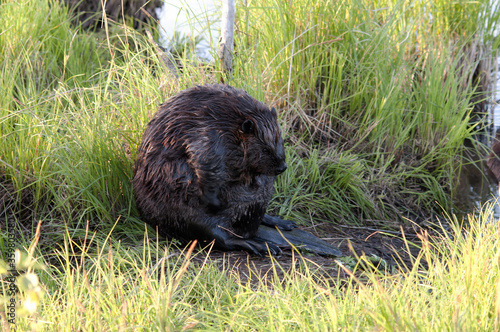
point(206, 166)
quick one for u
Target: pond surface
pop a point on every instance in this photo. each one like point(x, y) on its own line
point(191, 18)
point(476, 187)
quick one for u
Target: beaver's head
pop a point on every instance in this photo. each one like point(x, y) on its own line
point(261, 142)
point(227, 125)
point(248, 130)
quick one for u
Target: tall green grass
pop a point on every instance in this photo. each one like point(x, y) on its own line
point(374, 99)
point(379, 79)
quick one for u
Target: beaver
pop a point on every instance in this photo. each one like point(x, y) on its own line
point(206, 168)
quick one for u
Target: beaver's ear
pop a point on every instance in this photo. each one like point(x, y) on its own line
point(248, 127)
point(273, 111)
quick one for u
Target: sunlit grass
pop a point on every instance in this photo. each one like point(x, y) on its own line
point(104, 284)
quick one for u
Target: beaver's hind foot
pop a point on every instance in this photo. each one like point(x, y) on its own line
point(260, 247)
point(282, 224)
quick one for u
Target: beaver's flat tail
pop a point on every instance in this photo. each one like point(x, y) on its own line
point(302, 240)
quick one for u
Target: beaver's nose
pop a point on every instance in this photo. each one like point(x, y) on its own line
point(281, 168)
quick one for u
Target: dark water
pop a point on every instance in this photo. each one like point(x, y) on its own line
point(476, 187)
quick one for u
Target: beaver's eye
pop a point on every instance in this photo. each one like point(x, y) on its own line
point(247, 127)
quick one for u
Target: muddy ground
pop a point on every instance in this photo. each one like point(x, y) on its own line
point(385, 249)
